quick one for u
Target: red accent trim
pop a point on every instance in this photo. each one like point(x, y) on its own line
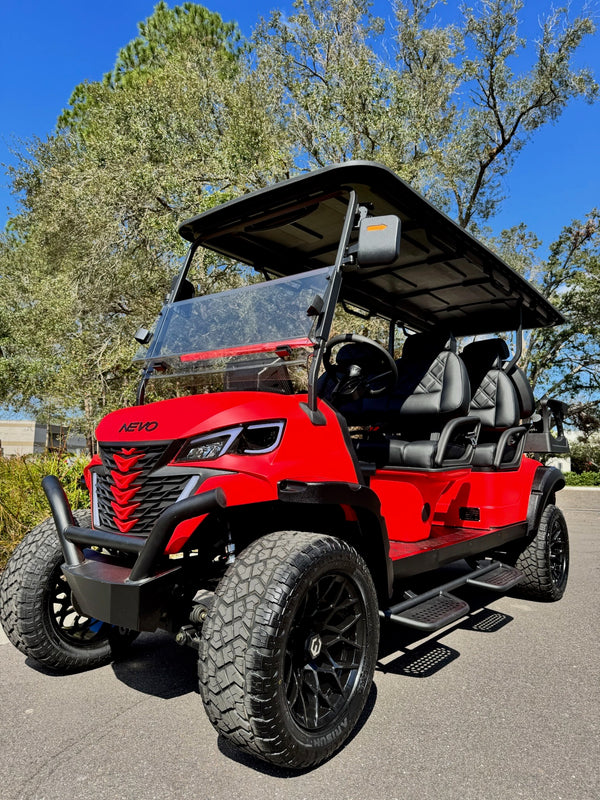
point(242, 350)
point(125, 527)
point(125, 464)
point(123, 513)
point(123, 497)
point(124, 481)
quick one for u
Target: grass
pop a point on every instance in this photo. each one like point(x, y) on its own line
point(23, 503)
point(582, 479)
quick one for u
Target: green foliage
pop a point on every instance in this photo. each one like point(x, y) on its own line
point(23, 503)
point(585, 455)
point(447, 106)
point(91, 256)
point(191, 115)
point(582, 479)
point(563, 361)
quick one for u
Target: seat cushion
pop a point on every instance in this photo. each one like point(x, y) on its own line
point(400, 453)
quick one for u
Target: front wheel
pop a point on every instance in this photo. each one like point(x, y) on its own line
point(289, 648)
point(545, 561)
point(37, 611)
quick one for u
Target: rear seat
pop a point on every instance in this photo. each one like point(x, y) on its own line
point(500, 401)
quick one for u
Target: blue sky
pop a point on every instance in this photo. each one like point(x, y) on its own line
point(47, 48)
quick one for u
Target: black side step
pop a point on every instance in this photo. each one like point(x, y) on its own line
point(433, 614)
point(437, 608)
point(500, 579)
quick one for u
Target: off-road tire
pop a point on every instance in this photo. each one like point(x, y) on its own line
point(28, 590)
point(545, 561)
point(276, 627)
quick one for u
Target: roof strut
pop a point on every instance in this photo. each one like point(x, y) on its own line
point(510, 366)
point(326, 318)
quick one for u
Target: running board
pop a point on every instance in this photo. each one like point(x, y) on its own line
point(500, 579)
point(437, 608)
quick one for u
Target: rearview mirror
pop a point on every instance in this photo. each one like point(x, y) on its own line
point(378, 241)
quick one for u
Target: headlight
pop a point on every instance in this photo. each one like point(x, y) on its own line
point(255, 438)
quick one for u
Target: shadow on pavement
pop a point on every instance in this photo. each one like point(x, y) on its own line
point(416, 660)
point(155, 665)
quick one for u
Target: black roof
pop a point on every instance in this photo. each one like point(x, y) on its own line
point(443, 276)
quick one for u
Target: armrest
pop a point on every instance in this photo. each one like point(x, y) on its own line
point(462, 431)
point(513, 437)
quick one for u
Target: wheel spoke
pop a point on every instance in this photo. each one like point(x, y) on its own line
point(69, 624)
point(324, 651)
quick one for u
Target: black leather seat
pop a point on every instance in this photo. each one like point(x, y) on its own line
point(426, 408)
point(497, 404)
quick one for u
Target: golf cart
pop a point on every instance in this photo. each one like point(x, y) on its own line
point(294, 486)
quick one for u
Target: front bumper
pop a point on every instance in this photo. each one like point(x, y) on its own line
point(130, 597)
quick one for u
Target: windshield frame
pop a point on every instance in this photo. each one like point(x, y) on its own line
point(324, 316)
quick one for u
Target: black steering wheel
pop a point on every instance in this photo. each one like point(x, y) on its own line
point(364, 371)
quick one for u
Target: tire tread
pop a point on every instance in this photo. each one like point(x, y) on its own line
point(237, 666)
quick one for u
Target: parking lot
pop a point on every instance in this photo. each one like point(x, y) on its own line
point(505, 704)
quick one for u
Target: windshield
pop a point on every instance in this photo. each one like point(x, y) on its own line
point(257, 337)
point(252, 319)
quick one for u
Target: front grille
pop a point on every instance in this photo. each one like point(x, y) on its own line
point(128, 497)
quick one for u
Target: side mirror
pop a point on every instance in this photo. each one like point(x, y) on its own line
point(378, 241)
point(142, 336)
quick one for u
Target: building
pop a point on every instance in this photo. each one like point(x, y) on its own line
point(20, 437)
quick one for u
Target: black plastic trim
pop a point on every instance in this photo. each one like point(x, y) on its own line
point(337, 493)
point(546, 482)
point(360, 498)
point(434, 558)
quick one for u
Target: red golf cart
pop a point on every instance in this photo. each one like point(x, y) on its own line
point(295, 485)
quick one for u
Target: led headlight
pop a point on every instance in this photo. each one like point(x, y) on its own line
point(254, 438)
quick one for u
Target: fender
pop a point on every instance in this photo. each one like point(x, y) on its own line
point(367, 509)
point(546, 482)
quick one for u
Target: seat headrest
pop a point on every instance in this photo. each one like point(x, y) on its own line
point(485, 354)
point(428, 345)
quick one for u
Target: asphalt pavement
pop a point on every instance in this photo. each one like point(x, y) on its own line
point(502, 705)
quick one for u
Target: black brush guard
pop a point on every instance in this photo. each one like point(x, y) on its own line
point(102, 587)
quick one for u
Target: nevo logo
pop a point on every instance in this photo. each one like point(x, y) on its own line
point(132, 427)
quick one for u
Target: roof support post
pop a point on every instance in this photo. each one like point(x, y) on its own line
point(326, 317)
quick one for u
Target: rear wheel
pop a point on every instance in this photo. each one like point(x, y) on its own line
point(37, 611)
point(545, 561)
point(289, 648)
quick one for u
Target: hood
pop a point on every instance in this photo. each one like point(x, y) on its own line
point(183, 417)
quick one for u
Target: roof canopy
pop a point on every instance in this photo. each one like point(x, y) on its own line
point(443, 276)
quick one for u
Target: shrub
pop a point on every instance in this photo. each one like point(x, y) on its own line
point(582, 479)
point(585, 456)
point(22, 500)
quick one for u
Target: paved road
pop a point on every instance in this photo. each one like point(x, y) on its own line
point(504, 705)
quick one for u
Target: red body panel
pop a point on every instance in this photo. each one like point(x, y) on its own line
point(502, 497)
point(306, 452)
point(411, 501)
point(408, 499)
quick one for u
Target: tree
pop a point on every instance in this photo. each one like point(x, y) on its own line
point(440, 104)
point(563, 360)
point(191, 115)
point(177, 126)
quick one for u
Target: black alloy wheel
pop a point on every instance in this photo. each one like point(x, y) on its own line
point(289, 648)
point(69, 624)
point(558, 550)
point(324, 652)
